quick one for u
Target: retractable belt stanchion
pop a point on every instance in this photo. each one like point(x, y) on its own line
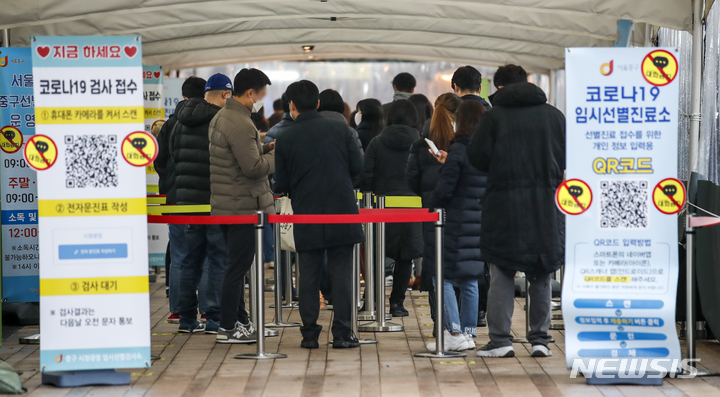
point(256, 289)
point(439, 304)
point(356, 296)
point(279, 323)
point(369, 313)
point(258, 305)
point(380, 324)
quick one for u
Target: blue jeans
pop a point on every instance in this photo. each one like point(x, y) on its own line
point(464, 321)
point(178, 251)
point(205, 245)
point(268, 246)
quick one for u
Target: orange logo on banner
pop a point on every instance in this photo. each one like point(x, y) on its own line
point(669, 196)
point(573, 197)
point(139, 148)
point(40, 152)
point(11, 139)
point(659, 68)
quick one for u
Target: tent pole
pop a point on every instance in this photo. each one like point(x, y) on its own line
point(6, 37)
point(696, 84)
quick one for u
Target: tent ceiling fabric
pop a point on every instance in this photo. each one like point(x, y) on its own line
point(183, 33)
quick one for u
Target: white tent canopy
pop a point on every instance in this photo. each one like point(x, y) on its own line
point(184, 33)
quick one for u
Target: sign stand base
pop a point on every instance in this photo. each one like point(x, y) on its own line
point(614, 379)
point(86, 378)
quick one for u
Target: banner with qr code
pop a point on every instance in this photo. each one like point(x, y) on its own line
point(153, 94)
point(92, 218)
point(621, 254)
point(20, 257)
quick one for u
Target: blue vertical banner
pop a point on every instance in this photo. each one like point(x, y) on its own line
point(621, 198)
point(91, 153)
point(18, 188)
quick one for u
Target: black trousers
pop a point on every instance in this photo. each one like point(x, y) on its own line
point(401, 279)
point(240, 243)
point(340, 275)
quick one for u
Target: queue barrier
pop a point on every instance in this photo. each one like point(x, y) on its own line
point(365, 216)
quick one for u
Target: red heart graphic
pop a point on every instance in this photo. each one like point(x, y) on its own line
point(130, 51)
point(43, 51)
point(156, 74)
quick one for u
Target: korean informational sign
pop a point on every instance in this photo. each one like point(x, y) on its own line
point(92, 207)
point(20, 255)
point(621, 238)
point(153, 93)
point(172, 94)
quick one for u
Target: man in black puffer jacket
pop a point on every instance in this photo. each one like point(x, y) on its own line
point(520, 143)
point(189, 145)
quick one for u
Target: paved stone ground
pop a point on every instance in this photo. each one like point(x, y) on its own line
point(193, 365)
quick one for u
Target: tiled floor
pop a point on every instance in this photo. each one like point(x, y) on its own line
point(193, 365)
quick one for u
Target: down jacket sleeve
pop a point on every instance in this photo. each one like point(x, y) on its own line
point(245, 148)
point(449, 176)
point(368, 175)
point(413, 173)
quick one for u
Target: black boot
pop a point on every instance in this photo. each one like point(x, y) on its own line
point(481, 319)
point(398, 310)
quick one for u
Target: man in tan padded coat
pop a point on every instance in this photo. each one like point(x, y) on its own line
point(239, 169)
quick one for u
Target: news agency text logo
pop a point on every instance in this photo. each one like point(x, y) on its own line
point(633, 368)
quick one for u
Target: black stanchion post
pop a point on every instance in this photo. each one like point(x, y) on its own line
point(439, 305)
point(380, 324)
point(279, 323)
point(258, 305)
point(369, 313)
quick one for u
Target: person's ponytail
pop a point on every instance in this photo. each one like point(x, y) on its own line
point(441, 124)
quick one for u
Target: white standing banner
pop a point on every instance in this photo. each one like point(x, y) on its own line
point(621, 197)
point(153, 94)
point(172, 94)
point(90, 151)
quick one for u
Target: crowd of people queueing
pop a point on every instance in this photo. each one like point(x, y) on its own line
point(493, 167)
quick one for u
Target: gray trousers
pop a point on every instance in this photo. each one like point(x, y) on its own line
point(501, 302)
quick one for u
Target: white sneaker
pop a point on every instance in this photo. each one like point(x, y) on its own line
point(470, 341)
point(452, 342)
point(490, 351)
point(540, 351)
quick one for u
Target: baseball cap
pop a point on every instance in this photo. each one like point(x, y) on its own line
point(218, 81)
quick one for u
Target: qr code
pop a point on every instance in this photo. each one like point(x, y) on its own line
point(91, 161)
point(623, 204)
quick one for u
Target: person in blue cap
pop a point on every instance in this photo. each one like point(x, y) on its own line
point(205, 244)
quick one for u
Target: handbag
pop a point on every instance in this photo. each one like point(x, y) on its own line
point(287, 238)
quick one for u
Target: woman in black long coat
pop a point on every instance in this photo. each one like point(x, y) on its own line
point(384, 174)
point(459, 191)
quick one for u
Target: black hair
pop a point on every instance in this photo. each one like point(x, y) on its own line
point(249, 79)
point(304, 94)
point(403, 112)
point(331, 100)
point(285, 103)
point(261, 123)
point(372, 115)
point(467, 78)
point(193, 87)
point(277, 105)
point(423, 107)
point(404, 82)
point(467, 117)
point(509, 74)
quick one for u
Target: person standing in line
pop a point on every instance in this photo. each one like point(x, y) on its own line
point(403, 86)
point(193, 87)
point(467, 83)
point(459, 191)
point(205, 244)
point(520, 143)
point(239, 185)
point(370, 120)
point(422, 174)
point(278, 113)
point(384, 174)
point(316, 161)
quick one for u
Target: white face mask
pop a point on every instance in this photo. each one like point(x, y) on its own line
point(257, 106)
point(358, 118)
